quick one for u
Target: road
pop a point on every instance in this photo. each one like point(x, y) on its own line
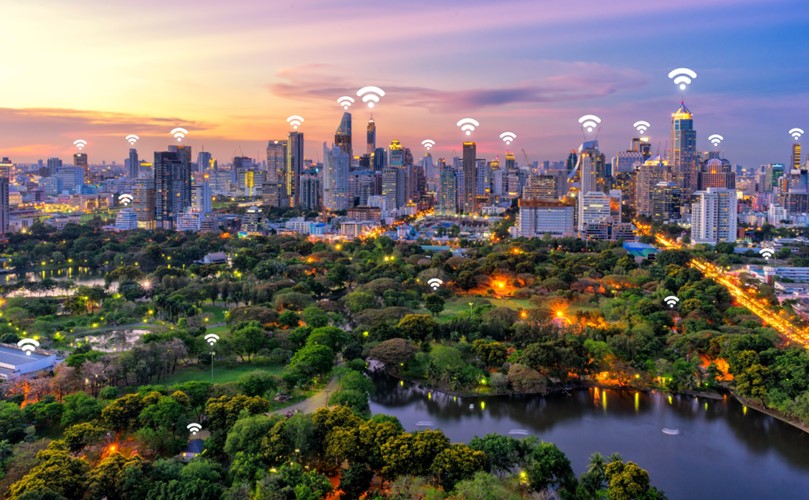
point(314, 403)
point(759, 307)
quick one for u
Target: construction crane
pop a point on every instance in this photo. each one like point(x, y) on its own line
point(525, 156)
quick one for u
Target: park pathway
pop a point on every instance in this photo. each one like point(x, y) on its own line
point(313, 403)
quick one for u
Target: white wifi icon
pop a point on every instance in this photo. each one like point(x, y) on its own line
point(642, 126)
point(345, 102)
point(179, 133)
point(194, 428)
point(796, 133)
point(125, 199)
point(716, 139)
point(671, 301)
point(468, 125)
point(767, 252)
point(132, 139)
point(80, 143)
point(435, 283)
point(589, 122)
point(508, 137)
point(28, 345)
point(295, 120)
point(682, 77)
point(370, 95)
point(211, 338)
point(428, 144)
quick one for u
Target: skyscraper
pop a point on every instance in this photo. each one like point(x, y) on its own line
point(342, 138)
point(275, 193)
point(469, 166)
point(80, 161)
point(133, 163)
point(172, 186)
point(590, 168)
point(448, 191)
point(3, 206)
point(683, 153)
point(53, 164)
point(713, 216)
point(396, 154)
point(293, 167)
point(204, 161)
point(796, 156)
point(335, 178)
point(371, 136)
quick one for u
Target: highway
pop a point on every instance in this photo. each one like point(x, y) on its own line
point(759, 307)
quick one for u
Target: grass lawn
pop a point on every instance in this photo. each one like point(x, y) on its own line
point(217, 313)
point(221, 373)
point(460, 304)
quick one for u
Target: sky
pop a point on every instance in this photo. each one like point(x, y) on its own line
point(231, 72)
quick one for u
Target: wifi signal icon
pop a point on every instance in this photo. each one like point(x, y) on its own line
point(80, 143)
point(125, 199)
point(671, 301)
point(468, 125)
point(132, 139)
point(435, 283)
point(796, 133)
point(508, 137)
point(642, 126)
point(428, 144)
point(194, 428)
point(682, 77)
point(28, 345)
point(589, 122)
point(295, 120)
point(767, 252)
point(716, 139)
point(179, 133)
point(211, 339)
point(345, 102)
point(370, 95)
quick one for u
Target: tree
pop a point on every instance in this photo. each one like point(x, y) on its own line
point(483, 486)
point(355, 481)
point(310, 361)
point(525, 380)
point(120, 413)
point(257, 383)
point(594, 480)
point(412, 453)
point(107, 479)
point(12, 422)
point(627, 481)
point(293, 481)
point(57, 472)
point(166, 413)
point(360, 301)
point(456, 462)
point(247, 339)
point(80, 435)
point(315, 316)
point(393, 353)
point(417, 327)
point(548, 467)
point(503, 453)
point(434, 303)
point(247, 432)
point(80, 407)
point(490, 352)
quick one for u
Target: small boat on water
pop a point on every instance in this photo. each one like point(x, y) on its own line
point(424, 423)
point(518, 432)
point(471, 406)
point(670, 432)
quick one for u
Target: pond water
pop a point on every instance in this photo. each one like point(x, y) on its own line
point(692, 447)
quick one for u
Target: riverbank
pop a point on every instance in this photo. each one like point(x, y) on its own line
point(772, 413)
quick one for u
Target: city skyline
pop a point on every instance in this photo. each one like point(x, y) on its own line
point(233, 79)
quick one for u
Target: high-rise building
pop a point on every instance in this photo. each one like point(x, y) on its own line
point(7, 168)
point(396, 154)
point(133, 164)
point(713, 216)
point(390, 184)
point(310, 190)
point(667, 200)
point(594, 207)
point(204, 161)
point(796, 156)
point(80, 160)
point(626, 161)
point(4, 208)
point(717, 174)
point(448, 191)
point(647, 177)
point(537, 218)
point(469, 167)
point(591, 168)
point(683, 153)
point(53, 164)
point(293, 168)
point(371, 137)
point(172, 186)
point(72, 178)
point(274, 192)
point(201, 197)
point(342, 138)
point(336, 162)
point(183, 153)
point(144, 202)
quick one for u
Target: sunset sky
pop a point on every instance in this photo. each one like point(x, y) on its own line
point(232, 71)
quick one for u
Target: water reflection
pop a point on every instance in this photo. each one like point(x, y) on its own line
point(721, 449)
